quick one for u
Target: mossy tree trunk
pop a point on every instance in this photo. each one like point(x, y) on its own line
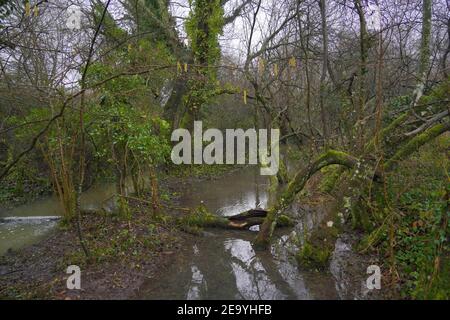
point(295, 186)
point(332, 157)
point(415, 143)
point(424, 62)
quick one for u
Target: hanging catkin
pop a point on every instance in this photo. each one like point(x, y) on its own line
point(293, 62)
point(261, 66)
point(27, 8)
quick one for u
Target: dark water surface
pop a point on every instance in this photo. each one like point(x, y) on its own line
point(223, 265)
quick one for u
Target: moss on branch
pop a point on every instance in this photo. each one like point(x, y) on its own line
point(297, 184)
point(415, 143)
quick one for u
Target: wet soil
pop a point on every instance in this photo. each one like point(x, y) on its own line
point(122, 256)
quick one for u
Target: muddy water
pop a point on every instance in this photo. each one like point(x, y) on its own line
point(223, 265)
point(17, 234)
point(50, 206)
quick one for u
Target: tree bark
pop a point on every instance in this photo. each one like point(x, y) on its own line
point(424, 54)
point(330, 157)
point(415, 143)
point(322, 5)
point(241, 221)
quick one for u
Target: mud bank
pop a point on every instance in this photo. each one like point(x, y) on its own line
point(122, 255)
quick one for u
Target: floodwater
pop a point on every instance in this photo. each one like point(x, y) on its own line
point(221, 264)
point(18, 233)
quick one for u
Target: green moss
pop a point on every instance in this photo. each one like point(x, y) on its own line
point(416, 142)
point(360, 216)
point(318, 247)
point(201, 218)
point(386, 132)
point(331, 175)
point(285, 221)
point(312, 256)
point(282, 174)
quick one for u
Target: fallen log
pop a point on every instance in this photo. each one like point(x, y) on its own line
point(246, 219)
point(201, 218)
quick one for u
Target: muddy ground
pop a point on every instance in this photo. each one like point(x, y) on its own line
point(114, 271)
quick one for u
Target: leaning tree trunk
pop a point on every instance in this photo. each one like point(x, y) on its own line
point(415, 143)
point(335, 157)
point(295, 186)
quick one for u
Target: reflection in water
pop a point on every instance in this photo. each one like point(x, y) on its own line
point(227, 267)
point(251, 278)
point(220, 265)
point(90, 200)
point(197, 284)
point(223, 264)
point(232, 194)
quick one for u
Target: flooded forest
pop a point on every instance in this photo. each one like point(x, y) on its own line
point(224, 149)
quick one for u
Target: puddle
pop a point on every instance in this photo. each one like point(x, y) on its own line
point(223, 265)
